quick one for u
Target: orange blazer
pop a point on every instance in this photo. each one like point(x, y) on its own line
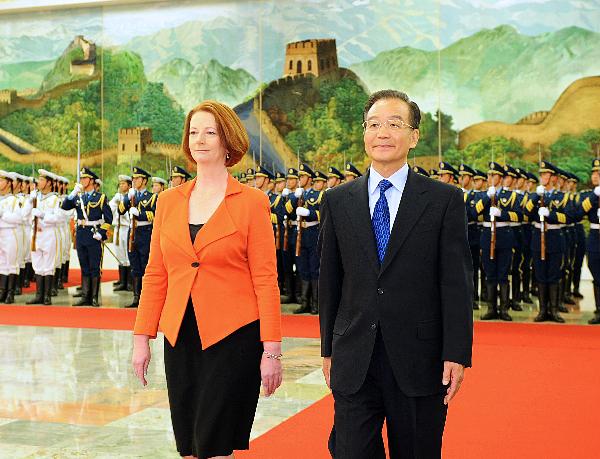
point(230, 271)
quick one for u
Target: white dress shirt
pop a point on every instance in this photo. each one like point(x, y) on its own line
point(393, 193)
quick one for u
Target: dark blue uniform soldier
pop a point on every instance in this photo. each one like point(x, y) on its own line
point(351, 172)
point(471, 197)
point(292, 283)
point(589, 206)
point(547, 211)
point(499, 207)
point(141, 205)
point(580, 242)
point(308, 212)
point(420, 170)
point(526, 228)
point(94, 218)
point(278, 214)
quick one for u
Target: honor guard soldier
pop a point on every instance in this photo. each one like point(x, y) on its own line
point(499, 207)
point(566, 205)
point(351, 172)
point(141, 205)
point(93, 221)
point(158, 185)
point(433, 173)
point(250, 177)
point(179, 176)
point(11, 217)
point(527, 228)
point(262, 179)
point(580, 241)
point(120, 237)
point(466, 175)
point(242, 178)
point(334, 178)
point(278, 219)
point(18, 186)
point(571, 191)
point(290, 236)
point(509, 183)
point(480, 186)
point(420, 170)
point(547, 241)
point(308, 213)
point(589, 206)
point(446, 173)
point(47, 217)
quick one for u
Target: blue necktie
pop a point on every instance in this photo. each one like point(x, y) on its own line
point(381, 220)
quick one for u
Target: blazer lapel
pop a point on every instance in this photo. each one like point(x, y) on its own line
point(359, 214)
point(220, 224)
point(411, 207)
point(178, 229)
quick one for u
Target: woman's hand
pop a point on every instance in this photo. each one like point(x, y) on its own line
point(141, 357)
point(270, 369)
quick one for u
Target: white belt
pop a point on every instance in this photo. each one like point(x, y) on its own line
point(143, 223)
point(513, 224)
point(309, 224)
point(549, 226)
point(595, 225)
point(293, 222)
point(570, 225)
point(471, 223)
point(89, 222)
point(498, 224)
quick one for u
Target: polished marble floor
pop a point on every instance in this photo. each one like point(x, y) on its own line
point(70, 393)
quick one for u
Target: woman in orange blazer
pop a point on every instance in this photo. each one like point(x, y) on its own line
point(211, 287)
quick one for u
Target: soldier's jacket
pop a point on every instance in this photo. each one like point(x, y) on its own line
point(588, 207)
point(471, 197)
point(96, 207)
point(144, 202)
point(509, 204)
point(278, 211)
point(291, 203)
point(561, 213)
point(312, 201)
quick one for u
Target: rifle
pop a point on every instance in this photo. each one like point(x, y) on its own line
point(133, 227)
point(300, 222)
point(35, 226)
point(286, 227)
point(277, 236)
point(493, 231)
point(118, 226)
point(542, 219)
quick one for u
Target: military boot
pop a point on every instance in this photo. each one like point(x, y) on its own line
point(39, 291)
point(492, 294)
point(525, 297)
point(596, 319)
point(65, 272)
point(59, 283)
point(543, 299)
point(516, 293)
point(121, 286)
point(568, 297)
point(54, 290)
point(86, 289)
point(19, 283)
point(119, 283)
point(3, 287)
point(26, 282)
point(484, 290)
point(304, 299)
point(553, 299)
point(504, 303)
point(95, 286)
point(561, 291)
point(290, 289)
point(10, 288)
point(48, 283)
point(137, 290)
point(129, 279)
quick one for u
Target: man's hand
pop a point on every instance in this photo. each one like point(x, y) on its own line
point(327, 369)
point(453, 375)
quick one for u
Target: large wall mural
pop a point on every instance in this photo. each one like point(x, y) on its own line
point(506, 79)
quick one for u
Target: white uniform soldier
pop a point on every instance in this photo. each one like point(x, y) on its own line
point(47, 217)
point(26, 188)
point(70, 216)
point(64, 238)
point(10, 216)
point(120, 236)
point(18, 185)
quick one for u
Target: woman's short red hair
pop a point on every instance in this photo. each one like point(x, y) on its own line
point(231, 131)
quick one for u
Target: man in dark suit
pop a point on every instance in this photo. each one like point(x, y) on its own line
point(396, 295)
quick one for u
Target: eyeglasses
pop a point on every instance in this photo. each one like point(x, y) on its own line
point(393, 125)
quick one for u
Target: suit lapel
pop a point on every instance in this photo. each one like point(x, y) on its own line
point(178, 228)
point(359, 214)
point(411, 207)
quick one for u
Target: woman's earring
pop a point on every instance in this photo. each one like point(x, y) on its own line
point(227, 157)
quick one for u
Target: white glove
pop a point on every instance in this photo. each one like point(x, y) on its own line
point(495, 211)
point(543, 212)
point(131, 193)
point(491, 192)
point(97, 236)
point(285, 192)
point(78, 188)
point(299, 192)
point(134, 212)
point(302, 212)
point(37, 212)
point(540, 190)
point(33, 194)
point(598, 213)
point(597, 190)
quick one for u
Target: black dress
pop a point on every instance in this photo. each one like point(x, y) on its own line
point(212, 393)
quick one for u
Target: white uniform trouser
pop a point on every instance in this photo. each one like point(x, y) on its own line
point(28, 231)
point(60, 249)
point(46, 253)
point(22, 246)
point(9, 251)
point(67, 244)
point(121, 247)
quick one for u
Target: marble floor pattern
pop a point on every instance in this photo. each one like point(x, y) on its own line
point(71, 393)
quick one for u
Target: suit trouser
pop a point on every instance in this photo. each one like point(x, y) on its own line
point(415, 425)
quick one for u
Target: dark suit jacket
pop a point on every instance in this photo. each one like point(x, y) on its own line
point(420, 297)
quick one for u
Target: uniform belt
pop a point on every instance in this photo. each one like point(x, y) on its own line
point(89, 222)
point(513, 224)
point(595, 225)
point(498, 224)
point(293, 222)
point(570, 225)
point(143, 223)
point(309, 224)
point(471, 223)
point(549, 226)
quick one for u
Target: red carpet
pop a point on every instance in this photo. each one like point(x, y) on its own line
point(532, 393)
point(75, 278)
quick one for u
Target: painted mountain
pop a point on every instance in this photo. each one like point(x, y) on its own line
point(495, 74)
point(189, 84)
